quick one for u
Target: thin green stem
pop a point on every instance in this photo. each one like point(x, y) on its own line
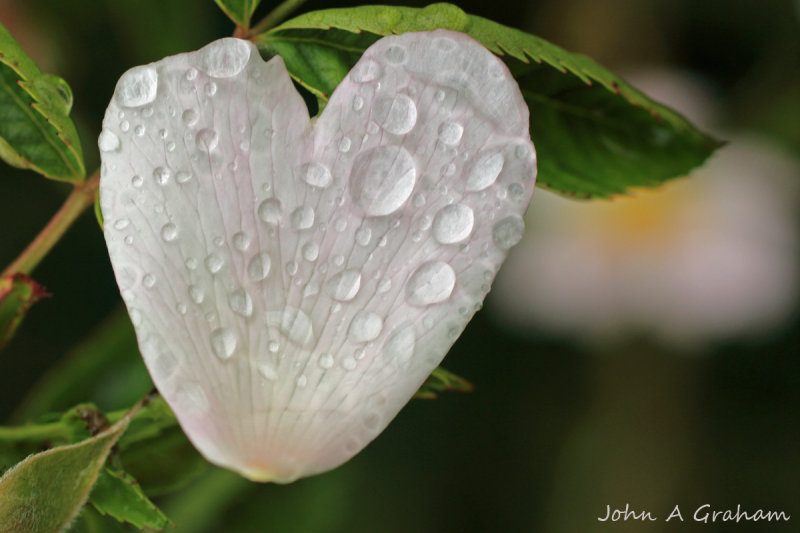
point(34, 433)
point(82, 197)
point(275, 16)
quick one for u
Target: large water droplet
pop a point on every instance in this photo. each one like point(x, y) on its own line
point(302, 218)
point(366, 70)
point(214, 263)
point(450, 133)
point(382, 179)
point(396, 115)
point(508, 232)
point(223, 341)
point(108, 141)
point(453, 223)
point(207, 139)
point(485, 171)
point(241, 303)
point(169, 232)
point(365, 327)
point(317, 175)
point(431, 283)
point(293, 323)
point(259, 266)
point(137, 87)
point(224, 58)
point(344, 285)
point(270, 211)
point(363, 236)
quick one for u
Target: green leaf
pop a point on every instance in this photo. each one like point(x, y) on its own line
point(117, 493)
point(239, 11)
point(17, 294)
point(442, 380)
point(46, 491)
point(36, 131)
point(595, 135)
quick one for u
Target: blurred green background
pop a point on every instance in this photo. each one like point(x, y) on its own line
point(555, 429)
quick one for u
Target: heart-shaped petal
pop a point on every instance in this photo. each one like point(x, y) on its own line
point(293, 283)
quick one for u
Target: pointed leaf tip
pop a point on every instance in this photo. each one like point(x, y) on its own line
point(292, 284)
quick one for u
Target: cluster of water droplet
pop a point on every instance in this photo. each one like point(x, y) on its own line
point(313, 260)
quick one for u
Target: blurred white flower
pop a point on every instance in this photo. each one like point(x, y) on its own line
point(702, 259)
point(293, 284)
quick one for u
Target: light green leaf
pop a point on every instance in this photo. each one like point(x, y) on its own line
point(442, 380)
point(36, 131)
point(17, 294)
point(117, 493)
point(239, 11)
point(46, 491)
point(595, 135)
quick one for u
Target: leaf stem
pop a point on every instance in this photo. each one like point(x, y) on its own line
point(33, 432)
point(275, 16)
point(82, 196)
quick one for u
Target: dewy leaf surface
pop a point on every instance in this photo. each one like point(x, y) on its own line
point(17, 294)
point(293, 284)
point(43, 493)
point(36, 131)
point(595, 134)
point(239, 11)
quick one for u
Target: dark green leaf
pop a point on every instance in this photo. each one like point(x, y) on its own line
point(46, 491)
point(117, 493)
point(239, 11)
point(36, 131)
point(17, 294)
point(442, 380)
point(595, 135)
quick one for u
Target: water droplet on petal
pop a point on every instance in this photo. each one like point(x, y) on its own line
point(382, 179)
point(267, 370)
point(310, 251)
point(344, 285)
point(395, 54)
point(241, 303)
point(358, 103)
point(344, 145)
point(365, 327)
point(241, 241)
point(169, 232)
point(317, 175)
point(137, 181)
point(259, 266)
point(207, 139)
point(190, 117)
point(223, 341)
point(453, 223)
point(121, 223)
point(162, 175)
point(326, 361)
point(108, 141)
point(508, 232)
point(139, 130)
point(137, 87)
point(431, 283)
point(363, 236)
point(396, 115)
point(302, 381)
point(293, 323)
point(270, 211)
point(211, 88)
point(366, 70)
point(148, 280)
point(214, 263)
point(302, 218)
point(348, 363)
point(224, 58)
point(485, 171)
point(450, 133)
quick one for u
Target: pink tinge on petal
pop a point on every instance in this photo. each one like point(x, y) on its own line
point(291, 284)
